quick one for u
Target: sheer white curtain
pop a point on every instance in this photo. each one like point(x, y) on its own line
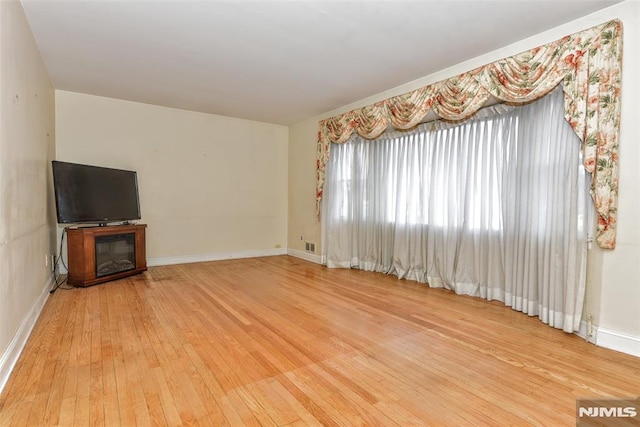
point(495, 207)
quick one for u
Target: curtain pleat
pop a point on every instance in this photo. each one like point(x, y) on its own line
point(496, 207)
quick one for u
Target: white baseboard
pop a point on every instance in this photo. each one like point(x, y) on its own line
point(19, 340)
point(602, 337)
point(618, 341)
point(307, 256)
point(220, 256)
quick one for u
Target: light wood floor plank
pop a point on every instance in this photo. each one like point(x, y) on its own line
point(279, 341)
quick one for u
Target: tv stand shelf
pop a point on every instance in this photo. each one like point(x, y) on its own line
point(100, 254)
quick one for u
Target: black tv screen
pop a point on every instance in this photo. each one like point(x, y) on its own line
point(93, 194)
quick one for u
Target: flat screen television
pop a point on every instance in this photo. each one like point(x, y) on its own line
point(94, 194)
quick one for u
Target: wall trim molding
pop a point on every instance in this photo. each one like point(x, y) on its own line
point(219, 256)
point(307, 256)
point(613, 340)
point(624, 343)
point(12, 353)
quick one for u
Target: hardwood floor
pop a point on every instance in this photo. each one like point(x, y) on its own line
point(279, 341)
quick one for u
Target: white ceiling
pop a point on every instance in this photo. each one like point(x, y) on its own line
point(272, 61)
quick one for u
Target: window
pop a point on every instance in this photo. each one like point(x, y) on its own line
point(491, 207)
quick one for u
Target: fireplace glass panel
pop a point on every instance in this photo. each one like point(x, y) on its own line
point(115, 253)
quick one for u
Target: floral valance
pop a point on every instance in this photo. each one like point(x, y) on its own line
point(587, 63)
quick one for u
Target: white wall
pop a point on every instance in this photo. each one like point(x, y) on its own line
point(303, 221)
point(208, 184)
point(27, 220)
point(613, 292)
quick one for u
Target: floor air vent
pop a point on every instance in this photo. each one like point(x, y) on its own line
point(310, 247)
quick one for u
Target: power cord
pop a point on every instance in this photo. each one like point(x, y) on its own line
point(55, 266)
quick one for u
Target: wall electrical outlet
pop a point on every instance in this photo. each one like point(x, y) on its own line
point(50, 262)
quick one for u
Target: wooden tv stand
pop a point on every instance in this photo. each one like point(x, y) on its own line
point(100, 254)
